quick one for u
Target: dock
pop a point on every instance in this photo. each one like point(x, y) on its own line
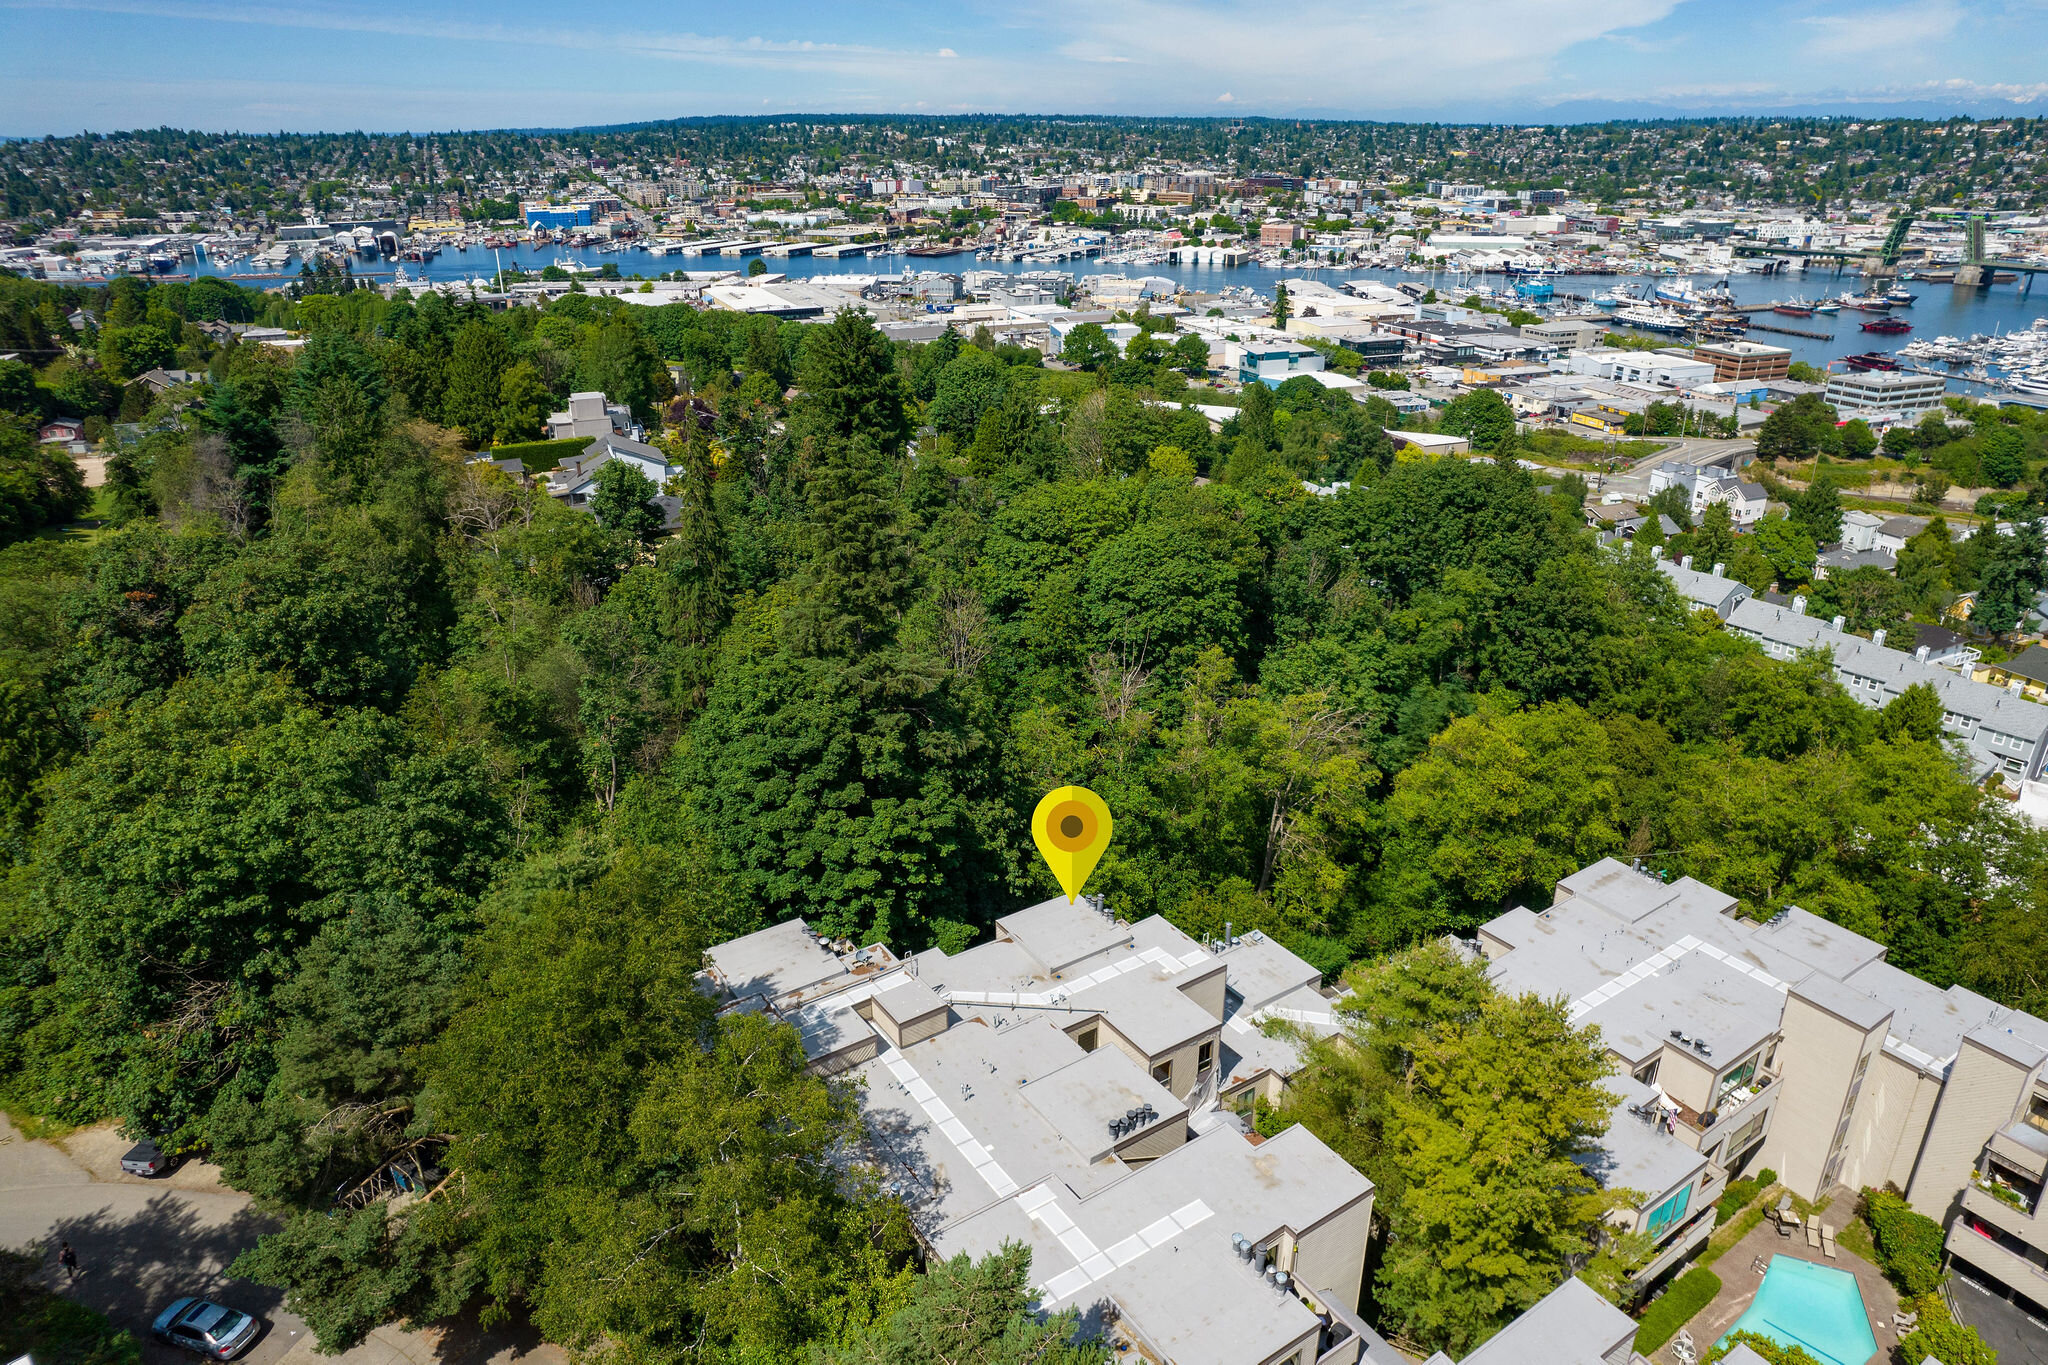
point(1791, 331)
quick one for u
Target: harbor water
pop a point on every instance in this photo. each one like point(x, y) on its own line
point(1939, 310)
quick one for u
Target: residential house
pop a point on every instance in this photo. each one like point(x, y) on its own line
point(573, 481)
point(1943, 648)
point(68, 432)
point(1708, 484)
point(2026, 673)
point(590, 414)
point(158, 380)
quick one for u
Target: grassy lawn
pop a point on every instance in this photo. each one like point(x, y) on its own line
point(31, 1126)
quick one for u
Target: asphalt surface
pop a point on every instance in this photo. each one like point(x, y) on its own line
point(2016, 1330)
point(142, 1243)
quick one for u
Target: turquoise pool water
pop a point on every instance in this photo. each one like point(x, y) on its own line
point(1813, 1307)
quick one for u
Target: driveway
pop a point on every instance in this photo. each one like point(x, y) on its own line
point(2010, 1328)
point(142, 1243)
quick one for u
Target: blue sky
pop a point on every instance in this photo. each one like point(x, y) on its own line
point(70, 65)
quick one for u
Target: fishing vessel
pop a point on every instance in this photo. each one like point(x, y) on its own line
point(1900, 298)
point(1793, 308)
point(1653, 319)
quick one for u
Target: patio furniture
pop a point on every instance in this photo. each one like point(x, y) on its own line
point(1827, 1241)
point(1784, 1226)
point(1682, 1347)
point(1813, 1231)
point(1905, 1322)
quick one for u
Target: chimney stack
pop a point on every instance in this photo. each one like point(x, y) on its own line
point(1656, 552)
point(1838, 623)
point(1685, 563)
point(1799, 605)
point(1920, 654)
point(1877, 637)
point(1718, 568)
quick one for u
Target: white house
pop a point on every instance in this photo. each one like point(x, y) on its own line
point(589, 414)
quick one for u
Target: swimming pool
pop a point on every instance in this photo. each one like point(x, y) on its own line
point(1813, 1307)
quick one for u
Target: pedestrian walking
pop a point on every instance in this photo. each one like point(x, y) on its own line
point(68, 1258)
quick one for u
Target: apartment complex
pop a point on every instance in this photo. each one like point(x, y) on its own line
point(1713, 591)
point(1069, 1085)
point(1791, 1043)
point(2003, 731)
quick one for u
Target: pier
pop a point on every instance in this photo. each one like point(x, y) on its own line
point(1790, 331)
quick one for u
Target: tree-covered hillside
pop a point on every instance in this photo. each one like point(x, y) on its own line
point(361, 800)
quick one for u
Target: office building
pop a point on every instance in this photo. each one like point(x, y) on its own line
point(1737, 361)
point(1884, 395)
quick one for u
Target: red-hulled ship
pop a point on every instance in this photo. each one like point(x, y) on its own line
point(1888, 326)
point(1870, 360)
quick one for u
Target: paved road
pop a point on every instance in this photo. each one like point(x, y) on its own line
point(142, 1243)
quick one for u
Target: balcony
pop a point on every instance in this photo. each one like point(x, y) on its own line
point(1993, 1258)
point(2006, 1217)
point(1740, 1106)
point(2023, 1147)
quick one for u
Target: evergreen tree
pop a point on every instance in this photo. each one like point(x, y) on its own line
point(476, 380)
point(854, 585)
point(851, 385)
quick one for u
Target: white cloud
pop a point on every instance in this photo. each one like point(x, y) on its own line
point(1226, 98)
point(1906, 29)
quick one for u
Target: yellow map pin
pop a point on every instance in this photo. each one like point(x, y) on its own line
point(1071, 828)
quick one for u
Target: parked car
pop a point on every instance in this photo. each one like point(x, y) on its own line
point(209, 1328)
point(145, 1158)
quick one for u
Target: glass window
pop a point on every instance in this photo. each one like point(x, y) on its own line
point(1737, 1077)
point(1670, 1211)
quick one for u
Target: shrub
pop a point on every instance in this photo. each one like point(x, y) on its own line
point(56, 1330)
point(1736, 1197)
point(1688, 1294)
point(1940, 1337)
point(1908, 1244)
point(1771, 1351)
